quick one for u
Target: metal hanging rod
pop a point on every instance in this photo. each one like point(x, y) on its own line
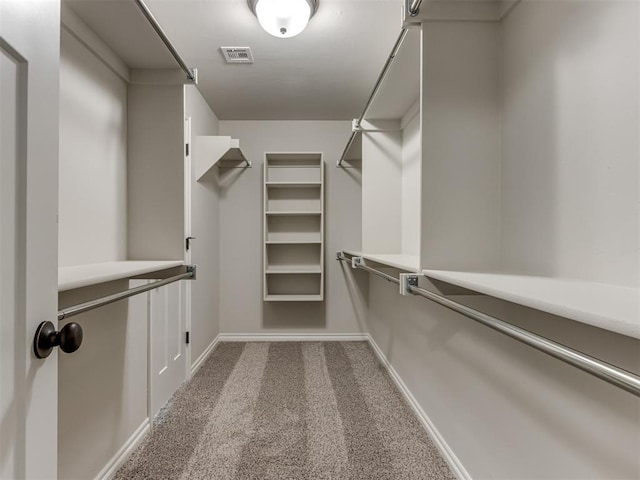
point(100, 302)
point(374, 93)
point(605, 371)
point(414, 8)
point(191, 73)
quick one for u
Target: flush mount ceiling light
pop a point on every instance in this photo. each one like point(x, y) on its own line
point(283, 18)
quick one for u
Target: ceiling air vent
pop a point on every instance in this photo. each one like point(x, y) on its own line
point(237, 54)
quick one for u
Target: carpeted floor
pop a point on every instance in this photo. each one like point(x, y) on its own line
point(287, 410)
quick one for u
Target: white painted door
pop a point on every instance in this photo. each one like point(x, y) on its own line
point(169, 318)
point(167, 342)
point(29, 63)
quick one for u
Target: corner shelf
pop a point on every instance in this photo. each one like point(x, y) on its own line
point(80, 276)
point(605, 306)
point(293, 227)
point(211, 151)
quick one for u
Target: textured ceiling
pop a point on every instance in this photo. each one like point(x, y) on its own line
point(325, 73)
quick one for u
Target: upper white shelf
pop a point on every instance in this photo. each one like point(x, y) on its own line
point(605, 306)
point(209, 150)
point(408, 263)
point(92, 274)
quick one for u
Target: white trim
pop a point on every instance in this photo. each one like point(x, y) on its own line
point(293, 337)
point(202, 358)
point(454, 463)
point(121, 455)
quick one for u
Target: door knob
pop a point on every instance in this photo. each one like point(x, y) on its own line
point(69, 338)
point(187, 242)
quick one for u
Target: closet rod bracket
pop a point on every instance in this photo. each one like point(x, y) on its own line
point(192, 270)
point(408, 280)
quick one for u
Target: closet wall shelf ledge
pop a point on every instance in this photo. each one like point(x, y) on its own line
point(291, 212)
point(407, 263)
point(80, 276)
point(610, 307)
point(294, 184)
point(217, 150)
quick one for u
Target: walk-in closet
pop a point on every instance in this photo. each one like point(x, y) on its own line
point(320, 239)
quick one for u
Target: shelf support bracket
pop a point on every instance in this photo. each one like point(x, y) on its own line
point(356, 261)
point(408, 280)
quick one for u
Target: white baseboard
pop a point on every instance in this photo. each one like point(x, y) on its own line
point(121, 455)
point(292, 337)
point(207, 351)
point(450, 457)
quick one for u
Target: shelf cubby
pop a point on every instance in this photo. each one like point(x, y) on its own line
point(293, 227)
point(294, 287)
point(391, 148)
point(302, 228)
point(293, 255)
point(299, 199)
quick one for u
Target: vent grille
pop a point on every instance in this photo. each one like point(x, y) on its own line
point(237, 54)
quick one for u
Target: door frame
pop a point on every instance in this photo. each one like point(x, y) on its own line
point(30, 33)
point(188, 169)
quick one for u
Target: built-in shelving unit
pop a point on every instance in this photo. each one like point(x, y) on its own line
point(293, 227)
point(92, 274)
point(217, 150)
point(464, 186)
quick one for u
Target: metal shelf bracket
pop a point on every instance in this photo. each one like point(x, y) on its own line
point(408, 280)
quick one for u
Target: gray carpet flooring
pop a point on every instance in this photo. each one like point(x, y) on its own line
point(287, 410)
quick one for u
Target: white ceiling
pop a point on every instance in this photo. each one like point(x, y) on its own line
point(325, 73)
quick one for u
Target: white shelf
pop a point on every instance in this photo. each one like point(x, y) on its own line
point(408, 263)
point(293, 242)
point(297, 213)
point(95, 273)
point(605, 306)
point(294, 298)
point(295, 269)
point(209, 151)
point(294, 184)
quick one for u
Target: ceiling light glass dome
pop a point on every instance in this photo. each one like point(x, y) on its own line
point(283, 18)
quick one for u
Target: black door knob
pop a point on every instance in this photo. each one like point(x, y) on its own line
point(69, 339)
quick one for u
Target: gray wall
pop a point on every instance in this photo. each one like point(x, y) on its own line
point(155, 172)
point(205, 219)
point(93, 158)
point(102, 388)
point(570, 140)
point(241, 307)
point(506, 410)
